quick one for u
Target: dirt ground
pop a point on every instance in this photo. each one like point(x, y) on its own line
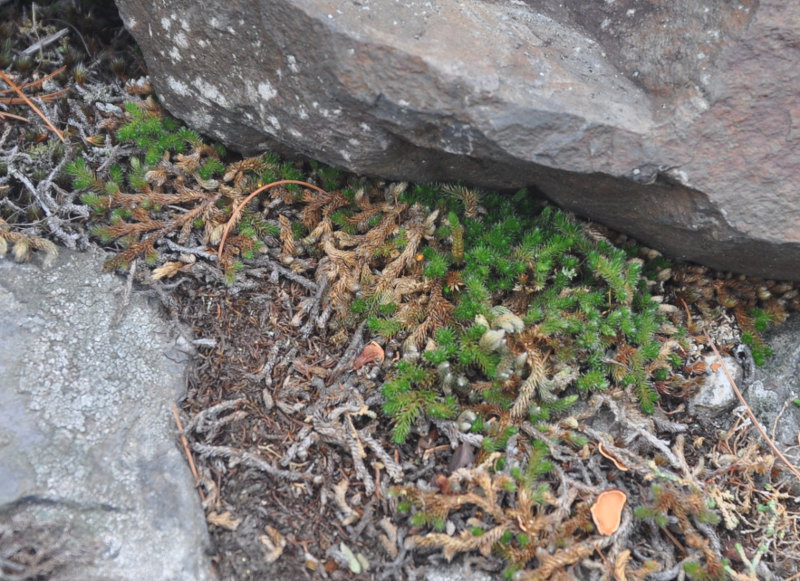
point(254, 332)
point(295, 460)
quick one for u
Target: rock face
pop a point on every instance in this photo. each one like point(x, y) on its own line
point(677, 121)
point(777, 387)
point(90, 472)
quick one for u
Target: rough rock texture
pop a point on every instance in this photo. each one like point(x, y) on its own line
point(87, 440)
point(777, 386)
point(715, 395)
point(674, 120)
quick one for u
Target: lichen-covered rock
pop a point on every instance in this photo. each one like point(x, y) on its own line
point(715, 395)
point(776, 388)
point(87, 440)
point(675, 121)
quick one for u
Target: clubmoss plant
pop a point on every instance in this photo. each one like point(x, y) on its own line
point(505, 312)
point(543, 314)
point(173, 167)
point(580, 301)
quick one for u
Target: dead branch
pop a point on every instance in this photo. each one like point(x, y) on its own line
point(32, 105)
point(253, 461)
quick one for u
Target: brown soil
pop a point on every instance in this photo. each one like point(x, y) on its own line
point(254, 332)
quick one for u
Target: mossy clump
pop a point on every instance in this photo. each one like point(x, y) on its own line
point(135, 201)
point(542, 312)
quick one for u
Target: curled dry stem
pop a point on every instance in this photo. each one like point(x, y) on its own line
point(32, 105)
point(238, 209)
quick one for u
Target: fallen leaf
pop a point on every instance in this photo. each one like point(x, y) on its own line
point(168, 270)
point(274, 542)
point(372, 353)
point(463, 456)
point(610, 456)
point(311, 562)
point(224, 520)
point(607, 511)
point(353, 562)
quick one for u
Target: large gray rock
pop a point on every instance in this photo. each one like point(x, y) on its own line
point(87, 440)
point(676, 121)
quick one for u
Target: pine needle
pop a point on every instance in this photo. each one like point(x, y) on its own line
point(32, 105)
point(3, 115)
point(35, 84)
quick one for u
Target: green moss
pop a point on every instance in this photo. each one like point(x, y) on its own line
point(211, 167)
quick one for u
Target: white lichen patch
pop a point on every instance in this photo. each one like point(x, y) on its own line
point(292, 63)
point(181, 40)
point(209, 92)
point(200, 119)
point(165, 23)
point(266, 90)
point(178, 87)
point(175, 55)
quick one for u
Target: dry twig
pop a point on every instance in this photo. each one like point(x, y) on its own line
point(32, 105)
point(187, 450)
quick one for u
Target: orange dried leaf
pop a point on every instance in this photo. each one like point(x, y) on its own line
point(614, 459)
point(697, 367)
point(372, 353)
point(607, 510)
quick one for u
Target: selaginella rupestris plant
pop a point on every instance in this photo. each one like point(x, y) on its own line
point(540, 312)
point(176, 186)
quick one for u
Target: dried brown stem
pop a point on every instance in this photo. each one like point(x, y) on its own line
point(36, 83)
point(238, 209)
point(186, 449)
point(32, 105)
